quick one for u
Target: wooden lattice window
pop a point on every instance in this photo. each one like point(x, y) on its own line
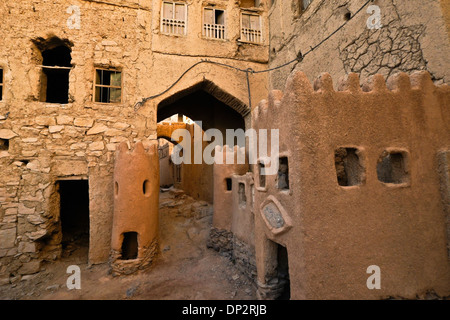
point(214, 23)
point(174, 18)
point(251, 29)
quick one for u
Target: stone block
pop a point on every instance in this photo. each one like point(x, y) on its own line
point(98, 128)
point(25, 210)
point(7, 238)
point(64, 120)
point(54, 129)
point(7, 134)
point(69, 167)
point(97, 146)
point(83, 122)
point(45, 121)
point(27, 247)
point(30, 267)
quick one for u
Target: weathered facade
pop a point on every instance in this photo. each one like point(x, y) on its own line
point(363, 161)
point(116, 53)
point(414, 36)
point(363, 188)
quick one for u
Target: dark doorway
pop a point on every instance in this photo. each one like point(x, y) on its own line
point(74, 214)
point(283, 272)
point(129, 246)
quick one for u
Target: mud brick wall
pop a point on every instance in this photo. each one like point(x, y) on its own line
point(391, 209)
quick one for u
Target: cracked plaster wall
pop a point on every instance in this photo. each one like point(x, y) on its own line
point(414, 37)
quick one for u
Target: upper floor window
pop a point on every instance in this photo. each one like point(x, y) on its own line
point(174, 18)
point(55, 75)
point(251, 30)
point(108, 86)
point(214, 23)
point(1, 84)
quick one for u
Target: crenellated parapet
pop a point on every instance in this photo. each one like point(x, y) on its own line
point(361, 180)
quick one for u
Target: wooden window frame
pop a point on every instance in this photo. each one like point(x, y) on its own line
point(174, 3)
point(215, 24)
point(107, 86)
point(242, 38)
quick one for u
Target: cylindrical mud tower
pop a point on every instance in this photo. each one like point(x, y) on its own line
point(134, 240)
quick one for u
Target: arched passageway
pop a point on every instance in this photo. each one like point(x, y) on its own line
point(216, 109)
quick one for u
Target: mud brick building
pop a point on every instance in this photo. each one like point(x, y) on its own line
point(364, 149)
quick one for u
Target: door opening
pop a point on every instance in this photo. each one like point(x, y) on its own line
point(283, 272)
point(74, 215)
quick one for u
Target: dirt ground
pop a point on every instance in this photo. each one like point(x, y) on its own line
point(184, 270)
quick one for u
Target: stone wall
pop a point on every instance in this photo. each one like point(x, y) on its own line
point(236, 240)
point(49, 142)
point(390, 211)
point(413, 36)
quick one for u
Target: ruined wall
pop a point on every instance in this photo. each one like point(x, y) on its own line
point(387, 212)
point(414, 36)
point(77, 140)
point(243, 224)
point(221, 235)
point(165, 165)
point(233, 230)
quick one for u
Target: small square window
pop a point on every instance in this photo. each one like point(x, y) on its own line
point(251, 30)
point(228, 184)
point(173, 18)
point(1, 84)
point(4, 144)
point(108, 86)
point(349, 169)
point(214, 23)
point(283, 174)
point(262, 177)
point(391, 167)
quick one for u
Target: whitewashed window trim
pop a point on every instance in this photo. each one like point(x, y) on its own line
point(214, 30)
point(251, 35)
point(172, 25)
